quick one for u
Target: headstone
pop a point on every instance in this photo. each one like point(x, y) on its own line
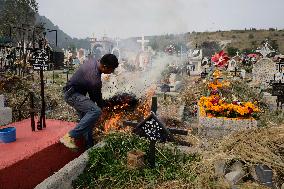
point(235, 177)
point(264, 174)
point(174, 84)
point(263, 71)
point(165, 88)
point(243, 73)
point(232, 64)
point(5, 112)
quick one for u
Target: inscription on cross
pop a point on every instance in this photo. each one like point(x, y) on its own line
point(40, 59)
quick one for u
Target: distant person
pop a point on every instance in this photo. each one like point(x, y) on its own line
point(87, 79)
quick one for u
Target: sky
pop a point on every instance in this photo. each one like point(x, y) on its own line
point(134, 18)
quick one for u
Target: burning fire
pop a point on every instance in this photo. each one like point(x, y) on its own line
point(114, 119)
point(112, 123)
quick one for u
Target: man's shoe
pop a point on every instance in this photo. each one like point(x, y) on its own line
point(68, 141)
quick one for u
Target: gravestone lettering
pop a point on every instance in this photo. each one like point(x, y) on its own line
point(40, 59)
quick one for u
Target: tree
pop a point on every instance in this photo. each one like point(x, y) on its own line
point(232, 51)
point(210, 47)
point(16, 13)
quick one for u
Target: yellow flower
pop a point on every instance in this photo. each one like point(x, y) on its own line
point(217, 74)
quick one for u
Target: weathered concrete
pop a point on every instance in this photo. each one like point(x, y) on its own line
point(5, 116)
point(220, 167)
point(2, 101)
point(234, 177)
point(5, 112)
point(64, 177)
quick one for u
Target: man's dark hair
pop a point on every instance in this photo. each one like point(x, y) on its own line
point(109, 60)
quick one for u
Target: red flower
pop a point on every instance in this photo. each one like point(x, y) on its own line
point(215, 100)
point(214, 92)
point(220, 59)
point(250, 110)
point(235, 102)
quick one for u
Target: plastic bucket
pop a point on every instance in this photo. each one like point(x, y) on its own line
point(8, 134)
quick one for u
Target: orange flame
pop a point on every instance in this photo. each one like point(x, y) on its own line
point(111, 124)
point(142, 111)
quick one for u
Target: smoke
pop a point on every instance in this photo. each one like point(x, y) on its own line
point(136, 82)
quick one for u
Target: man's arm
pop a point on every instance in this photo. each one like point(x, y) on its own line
point(96, 96)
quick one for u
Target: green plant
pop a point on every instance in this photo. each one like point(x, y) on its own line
point(107, 165)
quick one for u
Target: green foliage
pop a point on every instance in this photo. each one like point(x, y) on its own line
point(16, 13)
point(232, 51)
point(210, 47)
point(107, 165)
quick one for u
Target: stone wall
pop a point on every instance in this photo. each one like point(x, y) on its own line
point(218, 127)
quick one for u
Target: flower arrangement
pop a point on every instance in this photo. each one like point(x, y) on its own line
point(220, 59)
point(215, 105)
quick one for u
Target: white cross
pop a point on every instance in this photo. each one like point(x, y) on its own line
point(142, 41)
point(117, 40)
point(265, 50)
point(238, 53)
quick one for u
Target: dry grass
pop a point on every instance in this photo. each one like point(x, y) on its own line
point(241, 39)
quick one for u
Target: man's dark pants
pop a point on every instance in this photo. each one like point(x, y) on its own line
point(88, 112)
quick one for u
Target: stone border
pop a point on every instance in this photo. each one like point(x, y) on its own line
point(64, 177)
point(213, 127)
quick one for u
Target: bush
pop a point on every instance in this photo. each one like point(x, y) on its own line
point(232, 51)
point(250, 36)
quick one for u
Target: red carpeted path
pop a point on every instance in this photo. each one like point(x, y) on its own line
point(34, 156)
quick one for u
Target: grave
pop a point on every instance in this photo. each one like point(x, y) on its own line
point(35, 155)
point(263, 72)
point(218, 127)
point(174, 84)
point(194, 61)
point(5, 112)
point(218, 117)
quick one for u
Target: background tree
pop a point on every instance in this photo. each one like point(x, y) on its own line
point(232, 51)
point(210, 47)
point(16, 13)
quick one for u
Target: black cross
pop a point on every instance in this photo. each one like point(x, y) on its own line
point(272, 81)
point(204, 74)
point(152, 129)
point(235, 71)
